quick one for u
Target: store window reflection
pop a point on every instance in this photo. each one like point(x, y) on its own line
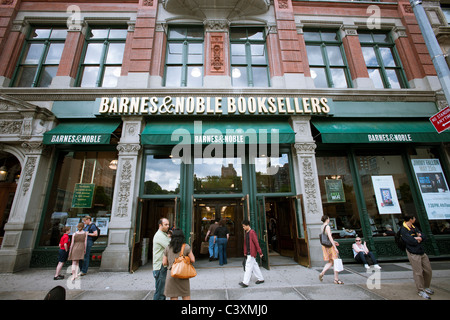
point(83, 184)
point(338, 194)
point(386, 191)
point(434, 188)
point(162, 175)
point(273, 174)
point(217, 175)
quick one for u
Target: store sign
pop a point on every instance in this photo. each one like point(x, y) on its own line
point(441, 120)
point(83, 195)
point(390, 137)
point(386, 195)
point(213, 106)
point(433, 187)
point(335, 190)
point(77, 138)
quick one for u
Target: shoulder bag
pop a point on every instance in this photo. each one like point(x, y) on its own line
point(182, 267)
point(324, 240)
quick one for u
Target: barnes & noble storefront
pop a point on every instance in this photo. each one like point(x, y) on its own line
point(280, 162)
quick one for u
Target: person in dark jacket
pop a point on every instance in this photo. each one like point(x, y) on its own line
point(420, 263)
point(251, 247)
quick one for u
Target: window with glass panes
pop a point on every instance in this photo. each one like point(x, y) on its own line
point(40, 58)
point(102, 61)
point(184, 57)
point(249, 64)
point(382, 60)
point(327, 60)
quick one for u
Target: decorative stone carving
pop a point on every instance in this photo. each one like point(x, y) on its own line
point(124, 189)
point(28, 172)
point(217, 59)
point(283, 4)
point(310, 186)
point(10, 127)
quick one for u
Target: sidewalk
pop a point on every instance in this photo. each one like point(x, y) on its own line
point(286, 280)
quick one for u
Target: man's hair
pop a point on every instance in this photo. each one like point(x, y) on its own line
point(160, 221)
point(408, 216)
point(246, 223)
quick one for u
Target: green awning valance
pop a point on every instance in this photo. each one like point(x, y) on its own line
point(220, 132)
point(399, 131)
point(77, 132)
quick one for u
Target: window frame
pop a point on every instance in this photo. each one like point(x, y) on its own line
point(102, 65)
point(184, 64)
point(323, 49)
point(248, 54)
point(403, 82)
point(41, 64)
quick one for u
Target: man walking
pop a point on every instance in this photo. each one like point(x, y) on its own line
point(160, 241)
point(420, 263)
point(213, 246)
point(92, 232)
point(251, 247)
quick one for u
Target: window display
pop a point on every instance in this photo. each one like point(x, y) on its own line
point(83, 184)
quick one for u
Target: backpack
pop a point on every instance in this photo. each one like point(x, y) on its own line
point(98, 232)
point(399, 241)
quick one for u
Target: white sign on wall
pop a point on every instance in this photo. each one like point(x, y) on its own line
point(386, 195)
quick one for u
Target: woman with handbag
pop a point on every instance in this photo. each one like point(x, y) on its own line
point(330, 252)
point(176, 287)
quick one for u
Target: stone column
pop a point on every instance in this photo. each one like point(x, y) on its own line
point(307, 184)
point(116, 256)
point(23, 223)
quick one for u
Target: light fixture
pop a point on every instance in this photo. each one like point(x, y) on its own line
point(196, 72)
point(3, 173)
point(113, 164)
point(236, 73)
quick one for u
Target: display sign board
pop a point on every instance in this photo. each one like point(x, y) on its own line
point(441, 120)
point(83, 195)
point(335, 190)
point(386, 195)
point(433, 187)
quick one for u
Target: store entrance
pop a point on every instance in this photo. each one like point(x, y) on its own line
point(206, 211)
point(149, 213)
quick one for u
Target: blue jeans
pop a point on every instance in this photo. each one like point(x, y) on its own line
point(160, 283)
point(213, 248)
point(222, 244)
point(85, 264)
point(361, 257)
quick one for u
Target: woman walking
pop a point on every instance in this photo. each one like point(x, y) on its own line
point(77, 249)
point(223, 235)
point(176, 287)
point(329, 254)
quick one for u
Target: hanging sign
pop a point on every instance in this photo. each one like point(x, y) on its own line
point(433, 187)
point(335, 190)
point(83, 195)
point(385, 195)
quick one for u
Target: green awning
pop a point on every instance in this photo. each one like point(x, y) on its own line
point(77, 132)
point(399, 131)
point(217, 132)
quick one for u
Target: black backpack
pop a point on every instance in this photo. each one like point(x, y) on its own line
point(399, 240)
point(98, 232)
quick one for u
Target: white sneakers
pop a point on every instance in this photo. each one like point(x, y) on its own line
point(375, 266)
point(425, 293)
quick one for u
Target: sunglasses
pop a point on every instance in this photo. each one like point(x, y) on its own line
point(358, 240)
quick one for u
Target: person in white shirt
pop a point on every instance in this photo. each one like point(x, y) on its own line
point(360, 253)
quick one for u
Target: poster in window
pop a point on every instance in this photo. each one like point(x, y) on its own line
point(335, 190)
point(385, 195)
point(433, 187)
point(83, 195)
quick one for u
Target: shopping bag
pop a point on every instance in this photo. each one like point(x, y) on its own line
point(204, 247)
point(338, 266)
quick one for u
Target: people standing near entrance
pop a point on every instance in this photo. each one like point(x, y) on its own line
point(161, 240)
point(92, 232)
point(63, 253)
point(213, 246)
point(222, 236)
point(78, 249)
point(329, 254)
point(420, 263)
point(177, 287)
point(251, 247)
point(361, 253)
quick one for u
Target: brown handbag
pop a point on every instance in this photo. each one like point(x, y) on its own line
point(182, 267)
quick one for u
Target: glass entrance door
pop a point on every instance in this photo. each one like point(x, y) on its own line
point(230, 210)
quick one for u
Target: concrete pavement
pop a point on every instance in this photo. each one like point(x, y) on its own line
point(286, 280)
